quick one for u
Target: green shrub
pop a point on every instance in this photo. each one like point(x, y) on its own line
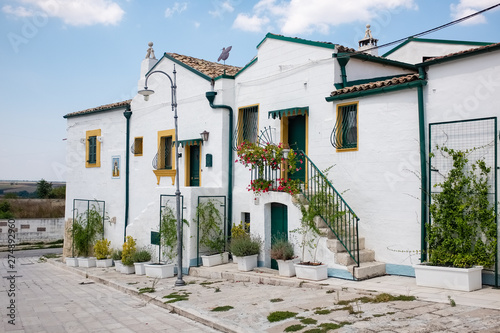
point(141, 256)
point(282, 249)
point(245, 246)
point(128, 252)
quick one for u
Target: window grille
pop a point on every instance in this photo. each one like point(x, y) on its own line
point(345, 132)
point(163, 158)
point(247, 129)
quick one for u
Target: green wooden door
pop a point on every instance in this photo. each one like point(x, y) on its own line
point(279, 225)
point(194, 165)
point(297, 141)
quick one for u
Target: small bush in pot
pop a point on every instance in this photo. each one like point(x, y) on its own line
point(245, 245)
point(129, 249)
point(141, 256)
point(282, 249)
point(116, 255)
point(102, 249)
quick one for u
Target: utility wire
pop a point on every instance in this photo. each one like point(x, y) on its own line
point(430, 30)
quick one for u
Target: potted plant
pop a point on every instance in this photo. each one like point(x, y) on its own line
point(211, 234)
point(116, 255)
point(310, 235)
point(85, 230)
point(129, 249)
point(247, 249)
point(240, 230)
point(462, 235)
point(282, 251)
point(140, 258)
point(168, 244)
point(102, 252)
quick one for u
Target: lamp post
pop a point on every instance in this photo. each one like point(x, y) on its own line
point(146, 93)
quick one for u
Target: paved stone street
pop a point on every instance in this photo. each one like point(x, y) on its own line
point(50, 299)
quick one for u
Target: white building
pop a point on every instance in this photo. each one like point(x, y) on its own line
point(366, 117)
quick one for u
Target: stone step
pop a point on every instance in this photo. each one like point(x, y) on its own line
point(367, 270)
point(343, 258)
point(336, 246)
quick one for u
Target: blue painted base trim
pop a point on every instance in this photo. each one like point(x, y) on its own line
point(194, 262)
point(260, 264)
point(340, 273)
point(185, 270)
point(489, 278)
point(403, 270)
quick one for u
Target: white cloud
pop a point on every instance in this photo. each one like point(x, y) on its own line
point(197, 24)
point(293, 17)
point(72, 12)
point(250, 23)
point(468, 7)
point(177, 8)
point(18, 11)
point(222, 7)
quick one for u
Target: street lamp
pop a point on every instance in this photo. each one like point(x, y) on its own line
point(146, 93)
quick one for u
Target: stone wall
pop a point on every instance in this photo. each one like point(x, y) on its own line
point(33, 230)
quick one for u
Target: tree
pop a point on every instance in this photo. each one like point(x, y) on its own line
point(43, 189)
point(58, 192)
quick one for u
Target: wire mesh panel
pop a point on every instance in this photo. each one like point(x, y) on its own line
point(212, 225)
point(478, 138)
point(168, 213)
point(85, 210)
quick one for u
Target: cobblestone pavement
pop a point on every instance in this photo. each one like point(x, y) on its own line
point(50, 299)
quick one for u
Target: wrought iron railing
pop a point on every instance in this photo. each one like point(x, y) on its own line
point(331, 207)
point(326, 201)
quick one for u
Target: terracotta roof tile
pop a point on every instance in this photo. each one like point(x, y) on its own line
point(464, 52)
point(376, 84)
point(100, 108)
point(344, 49)
point(209, 68)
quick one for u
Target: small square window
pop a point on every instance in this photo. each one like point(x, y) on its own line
point(137, 146)
point(345, 133)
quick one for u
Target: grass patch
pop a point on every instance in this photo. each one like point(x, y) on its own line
point(132, 283)
point(222, 308)
point(280, 315)
point(378, 315)
point(323, 311)
point(330, 291)
point(330, 326)
point(177, 297)
point(275, 300)
point(308, 321)
point(294, 328)
point(147, 290)
point(382, 298)
point(207, 283)
point(314, 330)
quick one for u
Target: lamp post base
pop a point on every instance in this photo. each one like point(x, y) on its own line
point(180, 283)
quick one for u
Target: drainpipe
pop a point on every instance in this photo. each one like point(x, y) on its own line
point(127, 115)
point(423, 168)
point(342, 60)
point(210, 97)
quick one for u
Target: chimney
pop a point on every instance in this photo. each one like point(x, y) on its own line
point(368, 42)
point(146, 65)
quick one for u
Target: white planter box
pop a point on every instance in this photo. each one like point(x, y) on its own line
point(215, 259)
point(118, 265)
point(127, 269)
point(235, 259)
point(86, 262)
point(139, 268)
point(247, 263)
point(159, 270)
point(71, 262)
point(464, 279)
point(287, 267)
point(311, 272)
point(104, 262)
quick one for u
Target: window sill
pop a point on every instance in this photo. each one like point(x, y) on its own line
point(165, 173)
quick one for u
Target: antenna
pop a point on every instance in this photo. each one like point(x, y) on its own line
point(224, 55)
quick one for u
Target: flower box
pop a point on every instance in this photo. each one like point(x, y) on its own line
point(71, 262)
point(215, 259)
point(87, 262)
point(314, 272)
point(247, 263)
point(118, 265)
point(159, 270)
point(287, 267)
point(104, 263)
point(125, 269)
point(464, 279)
point(140, 268)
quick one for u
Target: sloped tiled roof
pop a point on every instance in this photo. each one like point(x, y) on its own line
point(100, 108)
point(465, 52)
point(376, 84)
point(209, 68)
point(344, 49)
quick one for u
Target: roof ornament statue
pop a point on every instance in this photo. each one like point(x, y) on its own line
point(368, 43)
point(224, 54)
point(150, 52)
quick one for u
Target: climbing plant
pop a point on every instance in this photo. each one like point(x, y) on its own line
point(463, 230)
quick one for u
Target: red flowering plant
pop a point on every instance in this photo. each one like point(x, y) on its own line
point(258, 157)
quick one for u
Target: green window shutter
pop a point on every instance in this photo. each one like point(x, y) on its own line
point(92, 150)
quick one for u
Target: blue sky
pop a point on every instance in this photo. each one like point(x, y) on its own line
point(61, 56)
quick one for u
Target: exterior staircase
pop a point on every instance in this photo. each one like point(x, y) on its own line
point(368, 267)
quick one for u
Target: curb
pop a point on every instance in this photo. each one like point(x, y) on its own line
point(190, 314)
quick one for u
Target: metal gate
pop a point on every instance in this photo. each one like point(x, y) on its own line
point(219, 201)
point(167, 201)
point(480, 138)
